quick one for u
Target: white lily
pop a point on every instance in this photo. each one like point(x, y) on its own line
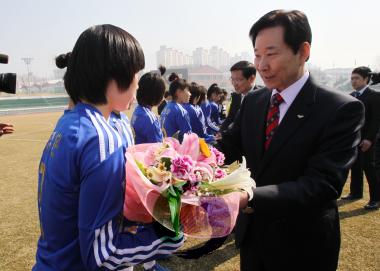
point(158, 176)
point(238, 179)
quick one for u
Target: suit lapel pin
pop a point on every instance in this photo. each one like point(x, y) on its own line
point(300, 116)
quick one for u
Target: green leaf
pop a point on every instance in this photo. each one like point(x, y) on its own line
point(167, 162)
point(206, 187)
point(175, 206)
point(171, 192)
point(141, 167)
point(179, 184)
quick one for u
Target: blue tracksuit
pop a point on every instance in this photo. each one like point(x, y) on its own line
point(80, 200)
point(146, 126)
point(212, 119)
point(175, 118)
point(197, 122)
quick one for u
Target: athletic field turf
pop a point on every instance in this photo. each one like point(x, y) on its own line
point(19, 230)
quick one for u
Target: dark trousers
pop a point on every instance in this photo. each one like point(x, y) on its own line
point(250, 259)
point(254, 257)
point(365, 162)
point(377, 165)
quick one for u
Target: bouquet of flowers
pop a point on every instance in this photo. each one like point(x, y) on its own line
point(184, 187)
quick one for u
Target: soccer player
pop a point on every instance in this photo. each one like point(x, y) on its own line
point(82, 169)
point(174, 118)
point(197, 120)
point(210, 109)
point(150, 93)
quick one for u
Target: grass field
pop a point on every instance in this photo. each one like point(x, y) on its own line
point(19, 230)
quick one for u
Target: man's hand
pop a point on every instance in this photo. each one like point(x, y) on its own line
point(218, 136)
point(243, 200)
point(6, 129)
point(365, 145)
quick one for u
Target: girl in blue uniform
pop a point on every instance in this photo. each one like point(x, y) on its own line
point(82, 169)
point(144, 122)
point(197, 120)
point(122, 125)
point(174, 118)
point(210, 109)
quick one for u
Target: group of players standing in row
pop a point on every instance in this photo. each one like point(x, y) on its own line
point(187, 107)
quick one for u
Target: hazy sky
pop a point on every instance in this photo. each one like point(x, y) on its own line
point(344, 31)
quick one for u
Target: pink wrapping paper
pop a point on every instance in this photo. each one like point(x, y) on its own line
point(200, 217)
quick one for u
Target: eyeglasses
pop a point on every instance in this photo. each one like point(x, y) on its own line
point(355, 77)
point(237, 80)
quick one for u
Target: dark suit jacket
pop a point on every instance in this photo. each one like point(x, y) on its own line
point(300, 176)
point(371, 100)
point(234, 108)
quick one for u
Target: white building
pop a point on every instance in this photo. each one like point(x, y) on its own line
point(170, 57)
point(218, 57)
point(200, 56)
point(215, 57)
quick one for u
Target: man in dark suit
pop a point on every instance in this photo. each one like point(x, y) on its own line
point(360, 78)
point(243, 76)
point(299, 140)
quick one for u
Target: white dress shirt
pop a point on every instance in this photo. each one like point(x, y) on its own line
point(290, 93)
point(362, 90)
point(243, 95)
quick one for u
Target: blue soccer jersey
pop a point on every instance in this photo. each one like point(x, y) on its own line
point(215, 113)
point(122, 124)
point(174, 118)
point(197, 122)
point(146, 126)
point(80, 200)
point(209, 114)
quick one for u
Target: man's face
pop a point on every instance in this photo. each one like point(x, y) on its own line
point(357, 81)
point(240, 83)
point(276, 62)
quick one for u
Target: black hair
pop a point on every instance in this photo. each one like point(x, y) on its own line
point(246, 67)
point(202, 94)
point(364, 72)
point(195, 93)
point(295, 23)
point(102, 53)
point(375, 78)
point(162, 69)
point(173, 76)
point(151, 88)
point(214, 88)
point(167, 94)
point(177, 84)
point(62, 60)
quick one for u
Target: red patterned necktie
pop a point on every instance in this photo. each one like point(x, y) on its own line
point(272, 118)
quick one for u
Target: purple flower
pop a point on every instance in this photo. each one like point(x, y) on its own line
point(219, 156)
point(182, 166)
